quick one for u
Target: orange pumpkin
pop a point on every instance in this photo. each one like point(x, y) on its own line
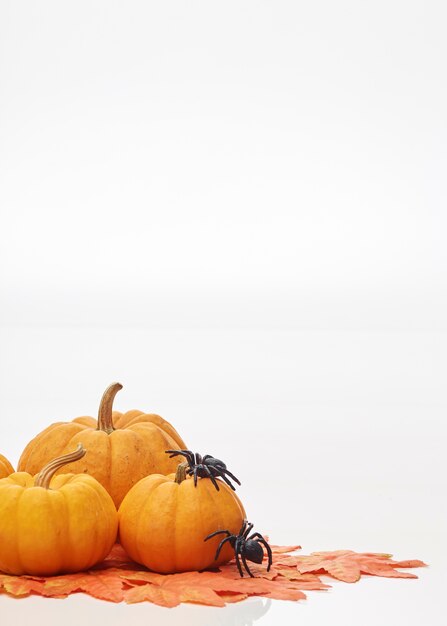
point(49, 525)
point(130, 418)
point(5, 467)
point(121, 452)
point(163, 522)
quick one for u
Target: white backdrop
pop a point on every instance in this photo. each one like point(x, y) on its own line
point(238, 210)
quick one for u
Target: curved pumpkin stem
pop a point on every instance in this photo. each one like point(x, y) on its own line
point(180, 474)
point(44, 477)
point(105, 421)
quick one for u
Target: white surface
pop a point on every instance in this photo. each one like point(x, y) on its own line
point(238, 210)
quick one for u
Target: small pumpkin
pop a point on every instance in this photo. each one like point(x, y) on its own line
point(53, 524)
point(5, 467)
point(121, 450)
point(163, 522)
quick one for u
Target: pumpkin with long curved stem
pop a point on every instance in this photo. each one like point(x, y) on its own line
point(130, 418)
point(163, 522)
point(52, 524)
point(119, 456)
point(5, 467)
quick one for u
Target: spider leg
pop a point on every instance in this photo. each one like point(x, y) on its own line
point(195, 475)
point(219, 472)
point(190, 458)
point(213, 480)
point(243, 527)
point(254, 535)
point(198, 459)
point(186, 453)
point(247, 530)
point(269, 552)
point(220, 546)
point(173, 453)
point(244, 561)
point(260, 539)
point(217, 532)
point(238, 563)
point(236, 480)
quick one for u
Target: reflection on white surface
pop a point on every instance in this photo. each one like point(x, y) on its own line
point(243, 613)
point(248, 613)
point(53, 612)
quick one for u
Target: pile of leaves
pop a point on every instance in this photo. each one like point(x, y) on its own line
point(119, 579)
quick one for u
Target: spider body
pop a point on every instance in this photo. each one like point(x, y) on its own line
point(252, 551)
point(205, 467)
point(248, 548)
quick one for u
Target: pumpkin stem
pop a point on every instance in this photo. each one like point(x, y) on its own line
point(44, 477)
point(105, 421)
point(180, 474)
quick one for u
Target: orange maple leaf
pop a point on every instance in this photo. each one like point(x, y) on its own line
point(348, 566)
point(233, 597)
point(152, 593)
point(105, 585)
point(283, 549)
point(201, 595)
point(118, 578)
point(20, 585)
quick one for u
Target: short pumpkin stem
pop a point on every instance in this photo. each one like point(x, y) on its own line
point(44, 477)
point(180, 474)
point(105, 421)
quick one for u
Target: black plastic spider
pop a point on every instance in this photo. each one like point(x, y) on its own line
point(206, 466)
point(248, 548)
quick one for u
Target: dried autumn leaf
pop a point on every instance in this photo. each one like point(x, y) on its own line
point(20, 586)
point(258, 571)
point(379, 555)
point(288, 560)
point(291, 573)
point(117, 578)
point(250, 586)
point(286, 594)
point(152, 593)
point(335, 554)
point(307, 585)
point(188, 578)
point(386, 572)
point(233, 597)
point(170, 597)
point(347, 566)
point(410, 563)
point(102, 585)
point(117, 557)
point(343, 568)
point(144, 577)
point(283, 549)
point(201, 595)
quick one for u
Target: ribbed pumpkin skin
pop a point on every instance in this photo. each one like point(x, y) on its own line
point(67, 528)
point(129, 418)
point(5, 467)
point(117, 460)
point(163, 524)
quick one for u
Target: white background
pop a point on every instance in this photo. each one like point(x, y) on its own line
point(238, 210)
